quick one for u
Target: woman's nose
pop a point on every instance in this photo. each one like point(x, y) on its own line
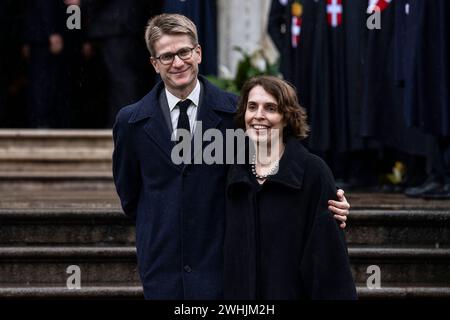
point(259, 113)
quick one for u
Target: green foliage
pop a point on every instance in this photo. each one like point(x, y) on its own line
point(225, 84)
point(250, 65)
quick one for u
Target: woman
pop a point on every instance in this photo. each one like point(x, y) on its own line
point(281, 242)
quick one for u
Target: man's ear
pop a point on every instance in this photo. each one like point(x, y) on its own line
point(199, 54)
point(154, 63)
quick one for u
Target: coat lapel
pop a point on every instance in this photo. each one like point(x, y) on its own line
point(208, 119)
point(211, 100)
point(292, 165)
point(290, 173)
point(157, 130)
point(156, 127)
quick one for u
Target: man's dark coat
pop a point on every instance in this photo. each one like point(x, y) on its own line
point(281, 241)
point(178, 209)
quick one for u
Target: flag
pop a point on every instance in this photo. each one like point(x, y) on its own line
point(377, 5)
point(204, 15)
point(334, 12)
point(296, 24)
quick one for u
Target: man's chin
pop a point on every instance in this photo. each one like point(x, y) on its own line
point(182, 82)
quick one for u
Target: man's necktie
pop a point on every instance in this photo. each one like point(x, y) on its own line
point(183, 119)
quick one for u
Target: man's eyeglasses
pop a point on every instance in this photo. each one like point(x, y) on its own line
point(183, 54)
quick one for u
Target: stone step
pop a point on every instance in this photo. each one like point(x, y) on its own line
point(36, 188)
point(56, 174)
point(18, 185)
point(399, 227)
point(67, 226)
point(50, 291)
point(403, 291)
point(41, 140)
point(77, 195)
point(402, 265)
point(33, 265)
point(53, 154)
point(134, 291)
point(37, 265)
point(102, 221)
point(393, 201)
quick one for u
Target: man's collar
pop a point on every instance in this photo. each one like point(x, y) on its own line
point(194, 96)
point(146, 107)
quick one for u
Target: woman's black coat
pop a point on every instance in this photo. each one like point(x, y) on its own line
point(281, 241)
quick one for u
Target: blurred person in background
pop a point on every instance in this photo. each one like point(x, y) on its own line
point(13, 69)
point(113, 31)
point(43, 46)
point(3, 37)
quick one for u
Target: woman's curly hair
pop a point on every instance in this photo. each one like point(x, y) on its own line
point(288, 105)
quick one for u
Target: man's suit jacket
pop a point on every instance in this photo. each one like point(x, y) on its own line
point(178, 209)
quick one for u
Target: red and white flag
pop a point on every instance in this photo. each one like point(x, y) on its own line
point(378, 5)
point(334, 12)
point(296, 23)
point(296, 29)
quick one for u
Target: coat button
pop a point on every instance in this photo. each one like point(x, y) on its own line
point(188, 269)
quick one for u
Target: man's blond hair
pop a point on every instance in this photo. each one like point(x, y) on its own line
point(169, 24)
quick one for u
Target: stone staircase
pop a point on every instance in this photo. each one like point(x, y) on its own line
point(58, 208)
point(408, 239)
point(55, 154)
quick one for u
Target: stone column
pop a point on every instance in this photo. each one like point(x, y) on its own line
point(242, 23)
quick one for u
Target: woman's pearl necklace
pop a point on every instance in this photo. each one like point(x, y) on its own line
point(270, 173)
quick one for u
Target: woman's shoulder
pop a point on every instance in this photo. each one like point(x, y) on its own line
point(316, 163)
point(312, 163)
point(314, 166)
point(317, 174)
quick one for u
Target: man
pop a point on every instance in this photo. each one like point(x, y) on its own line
point(178, 209)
